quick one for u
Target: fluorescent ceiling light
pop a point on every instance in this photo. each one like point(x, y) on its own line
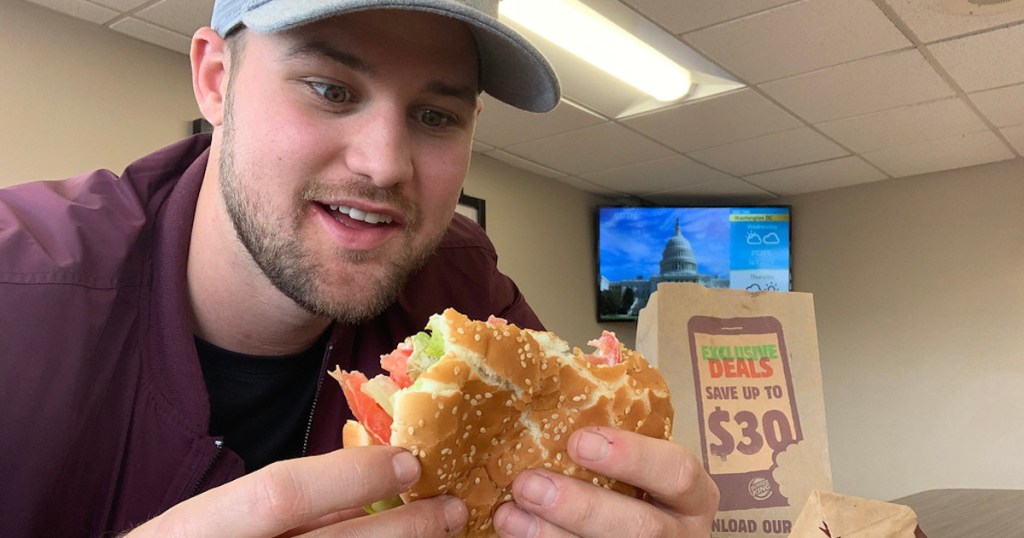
point(585, 33)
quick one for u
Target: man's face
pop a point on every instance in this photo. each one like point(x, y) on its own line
point(345, 145)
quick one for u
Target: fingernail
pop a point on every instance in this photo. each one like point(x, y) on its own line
point(455, 514)
point(519, 523)
point(407, 467)
point(539, 490)
point(592, 446)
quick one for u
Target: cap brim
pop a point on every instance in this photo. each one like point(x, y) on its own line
point(512, 69)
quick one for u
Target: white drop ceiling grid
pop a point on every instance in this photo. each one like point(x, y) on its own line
point(840, 92)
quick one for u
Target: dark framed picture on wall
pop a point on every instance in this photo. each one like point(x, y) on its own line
point(200, 125)
point(473, 208)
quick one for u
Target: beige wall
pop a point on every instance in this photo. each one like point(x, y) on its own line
point(75, 97)
point(919, 294)
point(544, 233)
point(918, 283)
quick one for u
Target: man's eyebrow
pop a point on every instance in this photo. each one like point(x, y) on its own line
point(462, 92)
point(322, 49)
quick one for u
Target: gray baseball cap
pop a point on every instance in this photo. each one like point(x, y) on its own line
point(511, 69)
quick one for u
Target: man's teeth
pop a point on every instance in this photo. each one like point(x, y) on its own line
point(365, 216)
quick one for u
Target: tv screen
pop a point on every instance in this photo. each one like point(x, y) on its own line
point(719, 247)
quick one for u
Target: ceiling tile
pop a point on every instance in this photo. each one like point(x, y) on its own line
point(798, 38)
point(600, 147)
point(501, 125)
point(931, 20)
point(1003, 107)
point(715, 121)
point(79, 9)
point(654, 176)
point(680, 16)
point(120, 5)
point(1016, 137)
point(770, 152)
point(905, 125)
point(153, 34)
point(519, 162)
point(585, 185)
point(984, 61)
point(729, 190)
point(840, 172)
point(944, 154)
point(879, 83)
point(182, 16)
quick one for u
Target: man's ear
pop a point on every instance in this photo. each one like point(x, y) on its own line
point(210, 72)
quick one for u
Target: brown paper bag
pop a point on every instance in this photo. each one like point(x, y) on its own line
point(746, 386)
point(828, 514)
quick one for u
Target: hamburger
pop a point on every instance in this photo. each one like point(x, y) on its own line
point(479, 401)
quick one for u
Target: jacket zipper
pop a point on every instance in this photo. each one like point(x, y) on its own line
point(219, 445)
point(316, 397)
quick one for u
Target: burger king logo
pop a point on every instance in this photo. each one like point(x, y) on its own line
point(760, 488)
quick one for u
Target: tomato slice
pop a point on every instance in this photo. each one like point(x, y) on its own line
point(607, 353)
point(369, 413)
point(397, 364)
point(496, 321)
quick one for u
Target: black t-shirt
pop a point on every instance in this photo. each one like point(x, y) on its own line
point(261, 405)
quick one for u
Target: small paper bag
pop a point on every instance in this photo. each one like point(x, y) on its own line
point(828, 514)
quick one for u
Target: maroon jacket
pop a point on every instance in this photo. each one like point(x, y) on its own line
point(103, 409)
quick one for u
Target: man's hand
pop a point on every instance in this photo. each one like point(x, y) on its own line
point(681, 498)
point(321, 495)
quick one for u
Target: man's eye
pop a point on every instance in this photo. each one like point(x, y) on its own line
point(436, 118)
point(332, 92)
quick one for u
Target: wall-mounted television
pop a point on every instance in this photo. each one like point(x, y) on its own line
point(741, 247)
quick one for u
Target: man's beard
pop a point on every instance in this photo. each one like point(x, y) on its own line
point(291, 266)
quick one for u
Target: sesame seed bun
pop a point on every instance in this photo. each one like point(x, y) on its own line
point(504, 399)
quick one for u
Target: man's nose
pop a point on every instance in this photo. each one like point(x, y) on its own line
point(381, 148)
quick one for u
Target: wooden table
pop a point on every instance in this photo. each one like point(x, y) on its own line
point(968, 513)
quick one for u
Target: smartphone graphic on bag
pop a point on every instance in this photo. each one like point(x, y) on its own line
point(746, 403)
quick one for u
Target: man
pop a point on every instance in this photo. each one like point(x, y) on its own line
point(166, 333)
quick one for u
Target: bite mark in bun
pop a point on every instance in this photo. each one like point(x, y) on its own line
point(478, 402)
